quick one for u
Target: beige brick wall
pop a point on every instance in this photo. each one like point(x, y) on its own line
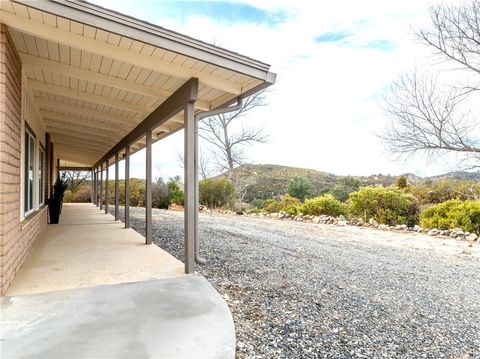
point(16, 237)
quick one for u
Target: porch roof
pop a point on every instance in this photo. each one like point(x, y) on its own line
point(95, 74)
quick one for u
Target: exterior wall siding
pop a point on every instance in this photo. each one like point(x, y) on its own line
point(16, 237)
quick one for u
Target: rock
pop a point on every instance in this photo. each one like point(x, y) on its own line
point(341, 218)
point(342, 223)
point(471, 237)
point(175, 207)
point(316, 220)
point(382, 227)
point(433, 232)
point(417, 228)
point(373, 222)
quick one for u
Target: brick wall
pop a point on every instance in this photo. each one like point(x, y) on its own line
point(16, 238)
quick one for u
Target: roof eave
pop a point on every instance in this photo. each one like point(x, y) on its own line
point(135, 29)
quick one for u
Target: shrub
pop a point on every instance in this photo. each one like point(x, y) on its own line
point(325, 204)
point(387, 205)
point(175, 194)
point(68, 196)
point(271, 205)
point(299, 187)
point(292, 210)
point(344, 186)
point(160, 195)
point(83, 194)
point(258, 203)
point(453, 214)
point(215, 193)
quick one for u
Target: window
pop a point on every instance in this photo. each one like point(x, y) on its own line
point(29, 171)
point(41, 176)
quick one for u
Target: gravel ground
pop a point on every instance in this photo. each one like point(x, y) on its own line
point(301, 290)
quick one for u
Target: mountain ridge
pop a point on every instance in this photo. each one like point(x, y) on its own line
point(267, 180)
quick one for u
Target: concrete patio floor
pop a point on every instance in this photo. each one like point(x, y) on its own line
point(92, 289)
point(89, 248)
point(163, 318)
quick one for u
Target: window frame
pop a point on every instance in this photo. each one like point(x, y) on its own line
point(41, 175)
point(29, 163)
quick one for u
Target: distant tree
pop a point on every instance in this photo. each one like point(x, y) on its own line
point(344, 186)
point(229, 138)
point(300, 188)
point(175, 194)
point(75, 179)
point(402, 182)
point(425, 116)
point(160, 195)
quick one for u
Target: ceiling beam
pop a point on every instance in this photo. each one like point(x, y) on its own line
point(120, 120)
point(86, 96)
point(80, 121)
point(187, 93)
point(119, 83)
point(85, 43)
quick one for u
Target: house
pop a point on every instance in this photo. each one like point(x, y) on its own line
point(84, 87)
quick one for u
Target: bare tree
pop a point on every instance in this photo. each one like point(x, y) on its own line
point(75, 179)
point(427, 116)
point(229, 143)
point(204, 165)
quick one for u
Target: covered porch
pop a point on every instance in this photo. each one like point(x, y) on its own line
point(89, 248)
point(91, 288)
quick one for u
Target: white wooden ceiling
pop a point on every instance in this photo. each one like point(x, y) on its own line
point(91, 86)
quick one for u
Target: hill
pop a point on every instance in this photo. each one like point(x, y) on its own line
point(264, 181)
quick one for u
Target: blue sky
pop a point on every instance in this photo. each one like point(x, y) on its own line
point(334, 60)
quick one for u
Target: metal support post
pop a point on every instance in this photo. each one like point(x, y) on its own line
point(116, 188)
point(189, 188)
point(127, 186)
point(148, 188)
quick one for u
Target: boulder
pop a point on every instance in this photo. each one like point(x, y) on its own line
point(471, 237)
point(417, 228)
point(433, 232)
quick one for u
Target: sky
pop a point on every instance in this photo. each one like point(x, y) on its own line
point(334, 61)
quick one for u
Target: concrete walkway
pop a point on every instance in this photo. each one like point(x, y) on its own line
point(164, 318)
point(88, 248)
point(92, 289)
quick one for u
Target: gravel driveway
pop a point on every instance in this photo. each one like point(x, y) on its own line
point(301, 290)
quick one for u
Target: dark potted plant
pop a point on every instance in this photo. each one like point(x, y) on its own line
point(56, 199)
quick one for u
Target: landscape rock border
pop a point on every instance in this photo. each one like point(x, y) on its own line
point(456, 233)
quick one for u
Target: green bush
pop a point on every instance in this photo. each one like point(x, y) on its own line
point(300, 188)
point(215, 193)
point(344, 186)
point(387, 205)
point(175, 194)
point(271, 206)
point(292, 209)
point(325, 204)
point(258, 203)
point(453, 214)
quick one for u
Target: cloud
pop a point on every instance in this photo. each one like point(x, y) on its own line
point(381, 45)
point(332, 36)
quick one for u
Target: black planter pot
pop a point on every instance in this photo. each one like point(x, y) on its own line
point(54, 208)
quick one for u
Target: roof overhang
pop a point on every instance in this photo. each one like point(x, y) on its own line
point(96, 74)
